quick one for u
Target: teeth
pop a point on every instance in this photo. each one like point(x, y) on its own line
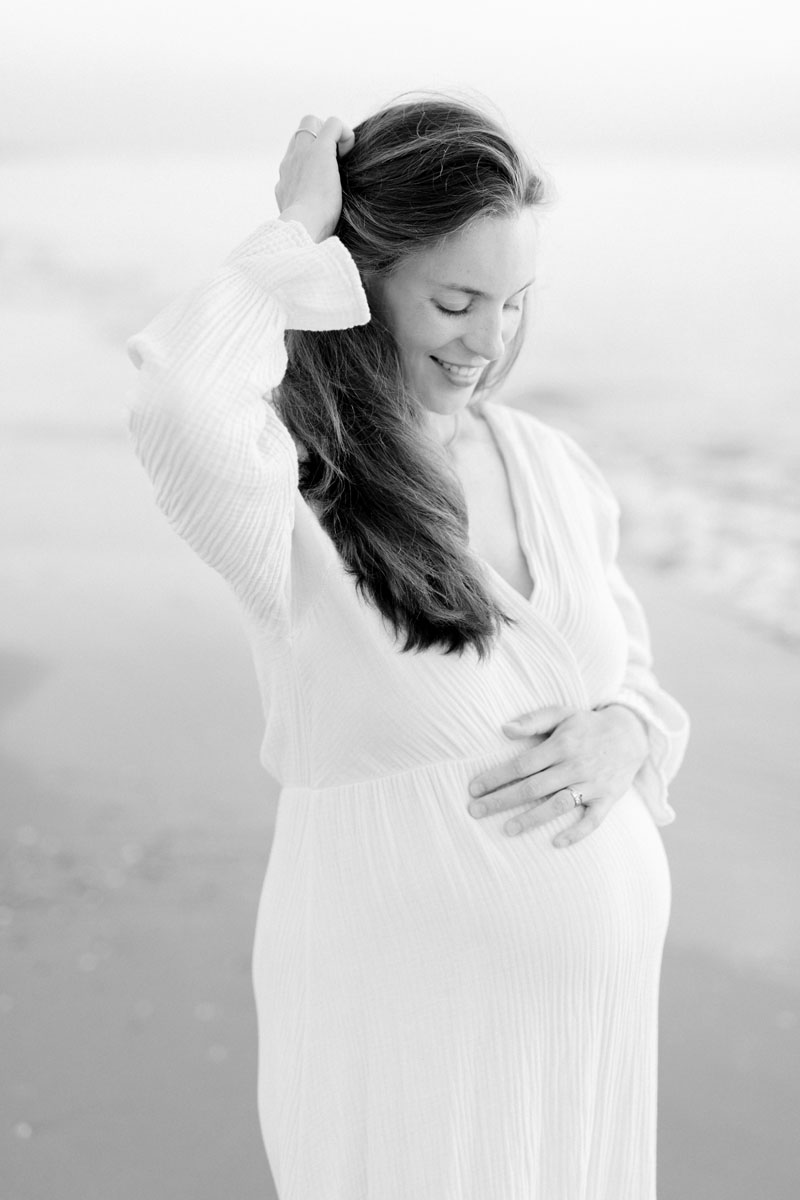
point(456, 369)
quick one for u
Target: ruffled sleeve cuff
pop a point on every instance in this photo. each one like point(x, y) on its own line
point(668, 733)
point(316, 284)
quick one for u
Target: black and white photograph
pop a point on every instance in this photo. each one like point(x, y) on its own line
point(399, 601)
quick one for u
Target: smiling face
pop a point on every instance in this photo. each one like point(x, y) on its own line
point(454, 308)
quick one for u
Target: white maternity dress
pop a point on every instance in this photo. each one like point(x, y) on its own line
point(445, 1012)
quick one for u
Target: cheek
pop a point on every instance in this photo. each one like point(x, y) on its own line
point(417, 328)
point(425, 335)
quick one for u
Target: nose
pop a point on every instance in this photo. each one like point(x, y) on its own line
point(485, 336)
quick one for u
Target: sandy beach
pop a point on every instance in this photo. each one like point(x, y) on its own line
point(136, 823)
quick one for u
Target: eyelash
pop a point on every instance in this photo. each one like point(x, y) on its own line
point(460, 312)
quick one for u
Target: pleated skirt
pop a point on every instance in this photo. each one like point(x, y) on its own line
point(449, 1013)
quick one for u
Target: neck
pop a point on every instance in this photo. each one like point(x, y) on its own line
point(443, 427)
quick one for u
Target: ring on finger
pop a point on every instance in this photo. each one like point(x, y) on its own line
point(577, 797)
point(304, 130)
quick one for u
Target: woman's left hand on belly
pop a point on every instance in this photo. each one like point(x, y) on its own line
point(585, 760)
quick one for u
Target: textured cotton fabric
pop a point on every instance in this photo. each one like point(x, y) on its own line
point(445, 1012)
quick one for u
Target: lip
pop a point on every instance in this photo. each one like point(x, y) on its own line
point(461, 374)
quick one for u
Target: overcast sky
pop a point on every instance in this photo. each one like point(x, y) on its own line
point(202, 73)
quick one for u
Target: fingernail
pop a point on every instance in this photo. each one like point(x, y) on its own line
point(513, 827)
point(560, 842)
point(476, 789)
point(478, 810)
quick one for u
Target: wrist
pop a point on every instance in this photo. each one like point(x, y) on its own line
point(637, 725)
point(314, 226)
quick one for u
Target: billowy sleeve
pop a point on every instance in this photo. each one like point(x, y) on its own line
point(223, 465)
point(666, 722)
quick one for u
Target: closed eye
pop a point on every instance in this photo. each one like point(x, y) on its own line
point(460, 312)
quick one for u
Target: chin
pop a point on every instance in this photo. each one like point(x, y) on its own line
point(441, 410)
point(445, 406)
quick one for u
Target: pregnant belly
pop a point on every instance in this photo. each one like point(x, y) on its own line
point(389, 889)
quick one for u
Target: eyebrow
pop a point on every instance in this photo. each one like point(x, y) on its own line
point(470, 291)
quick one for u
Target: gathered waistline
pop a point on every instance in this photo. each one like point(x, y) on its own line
point(465, 766)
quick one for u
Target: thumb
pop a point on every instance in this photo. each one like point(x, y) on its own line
point(542, 721)
point(341, 134)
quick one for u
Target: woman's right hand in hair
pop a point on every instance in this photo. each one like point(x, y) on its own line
point(308, 189)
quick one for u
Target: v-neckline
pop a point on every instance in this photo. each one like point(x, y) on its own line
point(505, 453)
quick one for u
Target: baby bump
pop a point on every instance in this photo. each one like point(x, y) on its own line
point(392, 885)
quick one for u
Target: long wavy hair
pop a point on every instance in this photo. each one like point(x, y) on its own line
point(420, 170)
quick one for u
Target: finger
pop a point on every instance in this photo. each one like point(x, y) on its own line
point(310, 122)
point(534, 760)
point(593, 816)
point(556, 805)
point(340, 133)
point(306, 125)
point(542, 720)
point(533, 789)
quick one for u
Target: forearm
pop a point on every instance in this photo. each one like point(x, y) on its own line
point(223, 466)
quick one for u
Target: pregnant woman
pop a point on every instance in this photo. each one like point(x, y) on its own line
point(459, 939)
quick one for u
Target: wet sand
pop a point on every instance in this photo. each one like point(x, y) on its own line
point(135, 830)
